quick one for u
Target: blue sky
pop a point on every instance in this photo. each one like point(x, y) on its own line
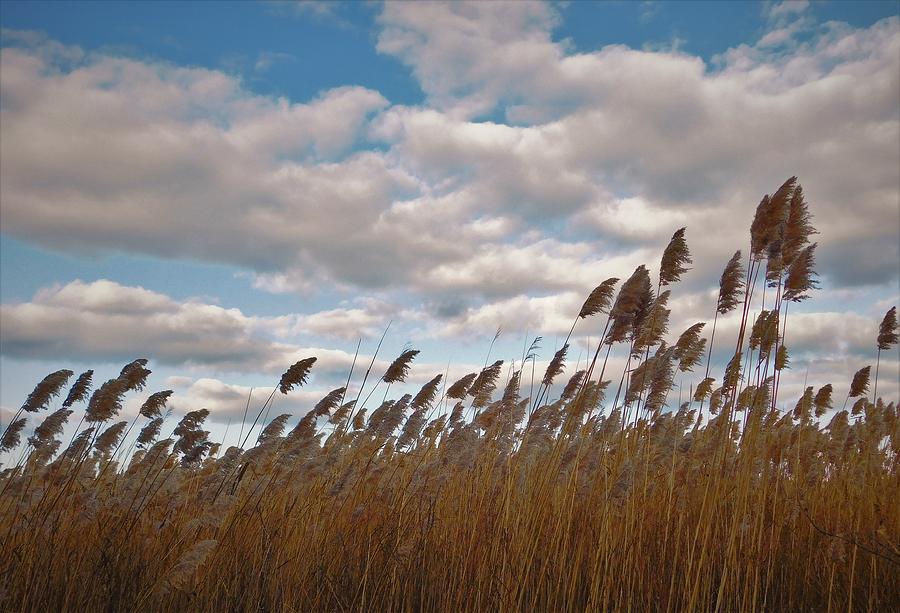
point(227, 186)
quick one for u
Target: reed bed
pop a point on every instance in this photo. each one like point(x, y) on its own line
point(594, 495)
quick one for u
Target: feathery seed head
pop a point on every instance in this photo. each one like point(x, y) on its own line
point(155, 403)
point(134, 375)
point(426, 394)
point(801, 275)
point(46, 390)
point(399, 368)
point(458, 390)
point(674, 258)
point(599, 299)
point(274, 429)
point(556, 366)
point(149, 432)
point(860, 383)
point(887, 331)
point(730, 285)
point(79, 389)
point(331, 400)
point(109, 438)
point(296, 375)
point(11, 437)
point(51, 427)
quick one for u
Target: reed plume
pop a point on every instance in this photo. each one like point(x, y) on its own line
point(46, 390)
point(460, 389)
point(426, 394)
point(674, 259)
point(155, 403)
point(860, 384)
point(399, 368)
point(11, 437)
point(731, 285)
point(599, 299)
point(50, 428)
point(329, 402)
point(79, 389)
point(296, 375)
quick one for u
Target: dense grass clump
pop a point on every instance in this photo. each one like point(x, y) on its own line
point(595, 494)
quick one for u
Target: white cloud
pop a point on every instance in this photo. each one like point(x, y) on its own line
point(107, 321)
point(583, 173)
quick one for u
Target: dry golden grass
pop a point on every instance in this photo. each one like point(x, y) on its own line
point(579, 501)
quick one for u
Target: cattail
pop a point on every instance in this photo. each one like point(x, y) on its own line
point(109, 438)
point(154, 404)
point(458, 390)
point(860, 384)
point(800, 277)
point(189, 431)
point(134, 375)
point(572, 386)
point(79, 389)
point(822, 401)
point(485, 384)
point(46, 390)
point(674, 258)
point(655, 325)
point(399, 368)
point(730, 285)
point(887, 331)
point(689, 347)
point(49, 428)
point(296, 375)
point(331, 400)
point(11, 437)
point(426, 394)
point(704, 388)
point(797, 229)
point(149, 432)
point(274, 429)
point(599, 300)
point(556, 366)
point(631, 305)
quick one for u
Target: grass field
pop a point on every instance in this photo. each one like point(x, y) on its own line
point(599, 493)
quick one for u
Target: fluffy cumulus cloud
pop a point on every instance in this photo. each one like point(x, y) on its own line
point(530, 172)
point(106, 321)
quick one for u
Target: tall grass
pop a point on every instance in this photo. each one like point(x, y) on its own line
point(468, 496)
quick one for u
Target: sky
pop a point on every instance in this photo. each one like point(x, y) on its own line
point(225, 188)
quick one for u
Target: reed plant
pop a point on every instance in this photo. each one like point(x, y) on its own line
point(470, 495)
